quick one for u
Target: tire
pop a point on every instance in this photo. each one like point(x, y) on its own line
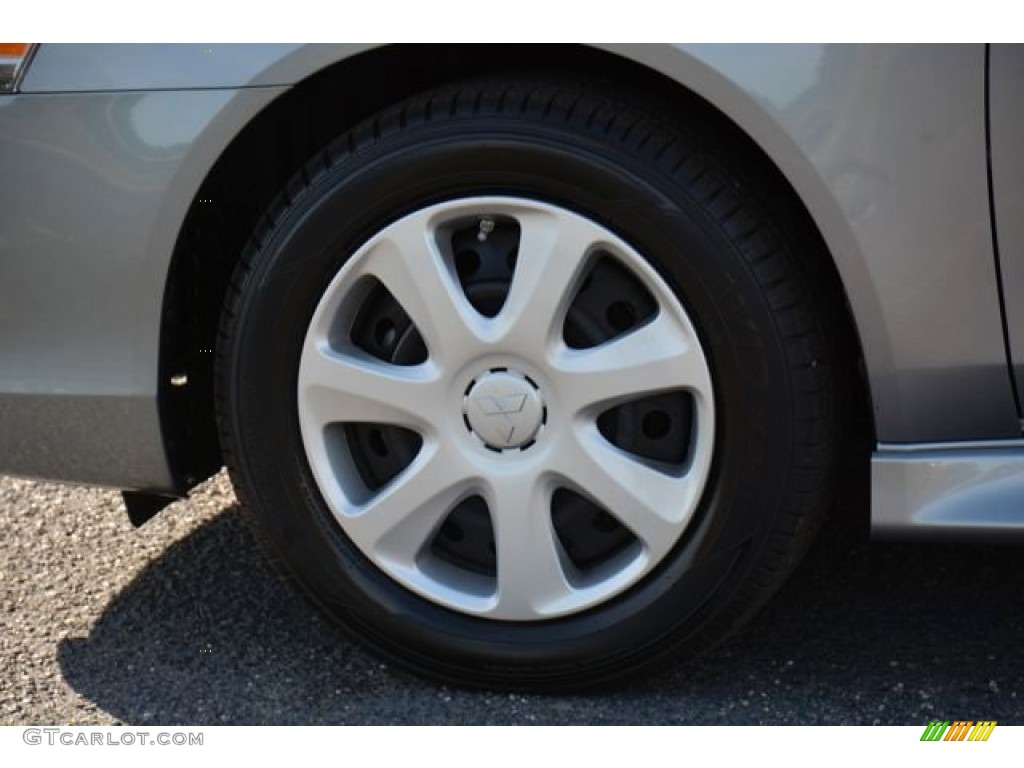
point(525, 387)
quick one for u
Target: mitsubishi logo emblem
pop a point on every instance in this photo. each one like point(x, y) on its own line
point(504, 409)
point(502, 405)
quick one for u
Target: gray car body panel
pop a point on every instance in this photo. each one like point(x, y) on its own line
point(1007, 121)
point(86, 235)
point(112, 67)
point(885, 146)
point(954, 490)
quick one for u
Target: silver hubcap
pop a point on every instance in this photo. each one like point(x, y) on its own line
point(505, 414)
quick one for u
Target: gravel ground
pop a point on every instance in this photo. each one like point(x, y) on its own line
point(181, 622)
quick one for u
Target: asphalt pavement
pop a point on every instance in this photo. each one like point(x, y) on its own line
point(182, 623)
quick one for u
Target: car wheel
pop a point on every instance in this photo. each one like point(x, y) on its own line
point(524, 387)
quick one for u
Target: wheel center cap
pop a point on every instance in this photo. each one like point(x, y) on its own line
point(504, 409)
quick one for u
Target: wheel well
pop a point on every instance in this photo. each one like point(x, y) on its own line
point(276, 144)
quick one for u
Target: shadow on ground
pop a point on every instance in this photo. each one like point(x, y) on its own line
point(866, 632)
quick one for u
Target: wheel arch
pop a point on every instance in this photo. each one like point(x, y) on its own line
point(329, 96)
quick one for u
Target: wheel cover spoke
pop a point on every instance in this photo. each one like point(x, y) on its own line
point(656, 357)
point(338, 387)
point(532, 570)
point(632, 491)
point(409, 264)
point(553, 252)
point(398, 522)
